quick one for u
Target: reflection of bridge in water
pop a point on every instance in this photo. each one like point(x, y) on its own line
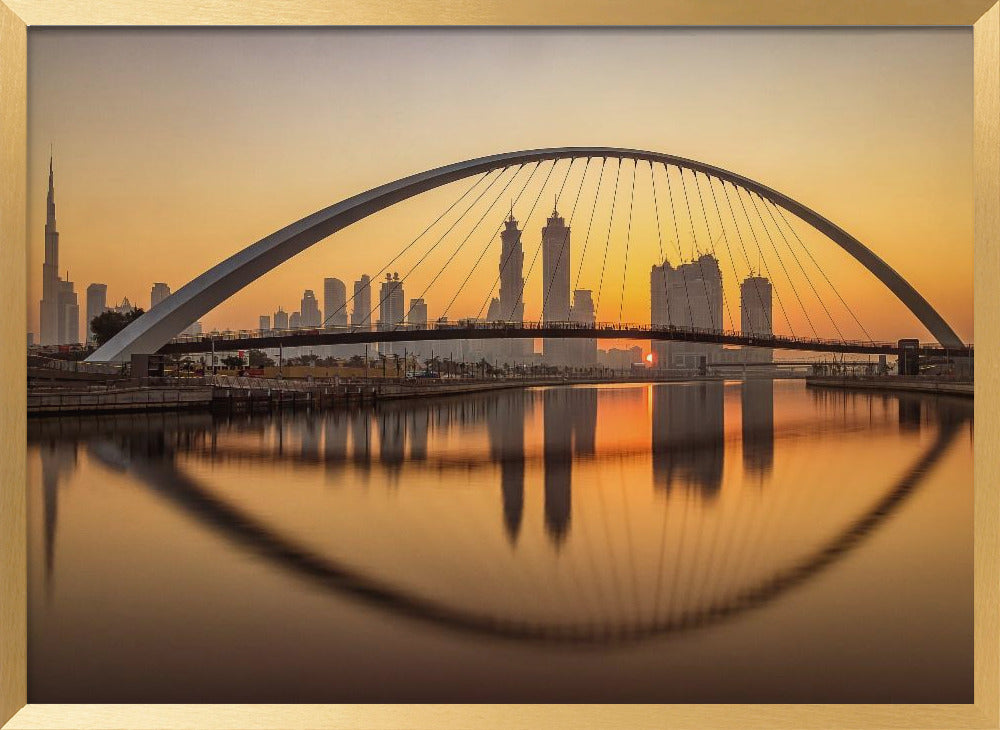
point(688, 449)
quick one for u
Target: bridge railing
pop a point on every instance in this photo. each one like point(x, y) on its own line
point(611, 328)
point(601, 330)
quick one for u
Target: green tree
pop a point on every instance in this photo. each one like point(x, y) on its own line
point(232, 362)
point(259, 359)
point(107, 324)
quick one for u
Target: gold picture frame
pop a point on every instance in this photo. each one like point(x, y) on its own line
point(16, 16)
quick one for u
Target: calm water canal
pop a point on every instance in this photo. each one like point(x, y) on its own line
point(699, 542)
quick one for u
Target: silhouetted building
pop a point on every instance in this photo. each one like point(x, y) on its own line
point(620, 358)
point(511, 299)
point(123, 307)
point(392, 311)
point(265, 323)
point(97, 304)
point(295, 320)
point(555, 285)
point(59, 311)
point(334, 303)
point(158, 293)
point(417, 318)
point(755, 315)
point(688, 296)
point(281, 319)
point(310, 315)
point(584, 351)
point(69, 313)
point(362, 312)
point(509, 306)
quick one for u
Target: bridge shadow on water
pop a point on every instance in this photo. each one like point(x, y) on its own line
point(724, 558)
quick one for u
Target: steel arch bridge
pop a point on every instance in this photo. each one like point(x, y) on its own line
point(154, 329)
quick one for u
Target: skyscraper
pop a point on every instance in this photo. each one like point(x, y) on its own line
point(158, 293)
point(509, 306)
point(688, 296)
point(97, 303)
point(391, 308)
point(417, 313)
point(309, 310)
point(281, 319)
point(58, 306)
point(555, 284)
point(755, 314)
point(584, 352)
point(362, 312)
point(264, 323)
point(334, 303)
point(417, 318)
point(69, 313)
point(511, 300)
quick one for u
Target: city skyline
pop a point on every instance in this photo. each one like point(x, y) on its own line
point(883, 207)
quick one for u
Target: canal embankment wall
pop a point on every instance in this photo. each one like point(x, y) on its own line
point(930, 386)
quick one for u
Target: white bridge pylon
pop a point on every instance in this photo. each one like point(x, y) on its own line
point(157, 327)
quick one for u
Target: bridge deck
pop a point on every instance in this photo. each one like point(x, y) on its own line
point(245, 340)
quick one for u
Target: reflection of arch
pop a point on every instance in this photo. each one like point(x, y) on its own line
point(156, 327)
point(247, 531)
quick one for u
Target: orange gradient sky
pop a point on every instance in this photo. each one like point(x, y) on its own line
point(176, 148)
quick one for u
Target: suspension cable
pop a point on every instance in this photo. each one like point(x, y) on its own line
point(701, 265)
point(659, 241)
point(539, 247)
point(835, 290)
point(781, 262)
point(760, 252)
point(677, 237)
point(562, 248)
point(732, 260)
point(628, 240)
point(711, 242)
point(593, 209)
point(419, 236)
point(458, 291)
point(449, 230)
point(614, 199)
point(804, 272)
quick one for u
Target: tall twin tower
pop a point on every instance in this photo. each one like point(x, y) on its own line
point(556, 303)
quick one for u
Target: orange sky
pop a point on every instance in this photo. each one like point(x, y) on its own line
point(177, 148)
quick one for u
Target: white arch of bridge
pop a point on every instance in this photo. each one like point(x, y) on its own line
point(158, 326)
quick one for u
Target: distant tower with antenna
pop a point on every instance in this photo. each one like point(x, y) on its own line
point(59, 310)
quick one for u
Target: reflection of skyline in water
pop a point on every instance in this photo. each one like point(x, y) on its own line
point(757, 413)
point(506, 432)
point(593, 553)
point(687, 437)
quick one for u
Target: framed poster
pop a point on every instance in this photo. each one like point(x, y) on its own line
point(509, 364)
